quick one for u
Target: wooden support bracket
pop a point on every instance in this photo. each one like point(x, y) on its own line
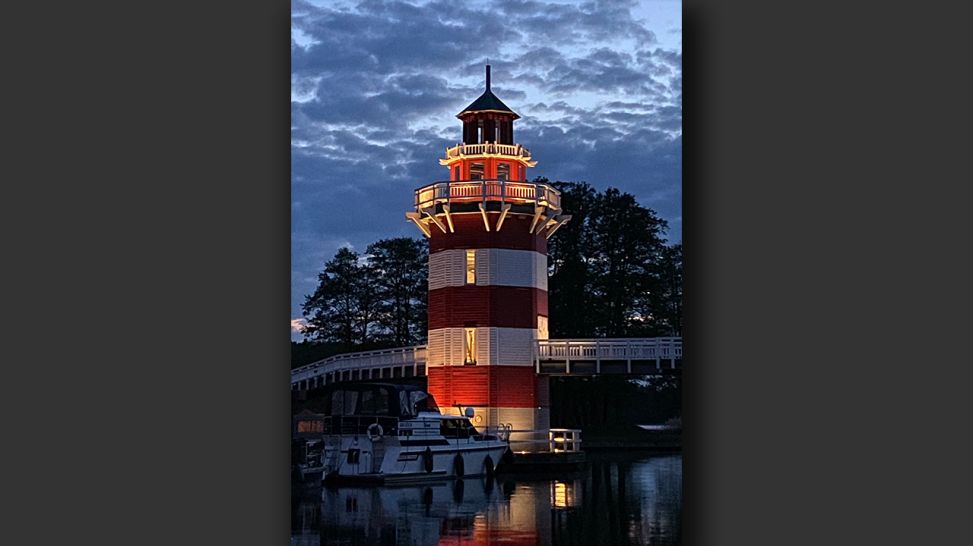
point(503, 214)
point(486, 224)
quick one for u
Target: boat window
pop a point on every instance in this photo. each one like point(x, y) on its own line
point(343, 402)
point(310, 426)
point(368, 401)
point(418, 401)
point(455, 428)
point(476, 171)
point(373, 402)
point(405, 406)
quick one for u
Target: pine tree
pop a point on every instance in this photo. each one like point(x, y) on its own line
point(333, 311)
point(400, 272)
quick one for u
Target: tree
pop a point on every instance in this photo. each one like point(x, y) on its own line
point(667, 300)
point(400, 273)
point(334, 310)
point(627, 242)
point(375, 300)
point(611, 273)
point(569, 253)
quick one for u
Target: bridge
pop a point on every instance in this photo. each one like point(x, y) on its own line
point(567, 357)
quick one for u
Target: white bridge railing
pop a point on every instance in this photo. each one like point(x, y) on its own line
point(400, 357)
point(586, 356)
point(610, 349)
point(559, 353)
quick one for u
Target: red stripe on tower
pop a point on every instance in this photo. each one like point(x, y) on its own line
point(471, 233)
point(492, 386)
point(498, 306)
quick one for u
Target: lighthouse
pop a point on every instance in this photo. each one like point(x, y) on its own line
point(487, 229)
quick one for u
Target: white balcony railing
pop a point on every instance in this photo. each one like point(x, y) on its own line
point(504, 191)
point(488, 148)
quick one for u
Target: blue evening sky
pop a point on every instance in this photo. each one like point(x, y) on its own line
point(376, 85)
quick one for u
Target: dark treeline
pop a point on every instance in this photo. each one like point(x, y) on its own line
point(367, 301)
point(602, 403)
point(612, 275)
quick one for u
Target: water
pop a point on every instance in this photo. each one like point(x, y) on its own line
point(619, 499)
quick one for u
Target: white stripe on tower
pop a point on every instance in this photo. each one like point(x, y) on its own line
point(494, 346)
point(494, 267)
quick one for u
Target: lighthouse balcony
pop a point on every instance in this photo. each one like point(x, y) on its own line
point(488, 149)
point(490, 195)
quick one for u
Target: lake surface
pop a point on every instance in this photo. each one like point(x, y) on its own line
point(621, 498)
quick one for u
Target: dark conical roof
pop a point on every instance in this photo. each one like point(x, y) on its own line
point(487, 101)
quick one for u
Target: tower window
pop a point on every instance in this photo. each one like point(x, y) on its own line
point(476, 171)
point(541, 327)
point(456, 173)
point(470, 345)
point(503, 171)
point(470, 267)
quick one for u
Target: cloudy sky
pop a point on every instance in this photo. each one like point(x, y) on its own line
point(376, 85)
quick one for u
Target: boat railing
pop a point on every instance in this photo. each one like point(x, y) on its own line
point(501, 432)
point(358, 424)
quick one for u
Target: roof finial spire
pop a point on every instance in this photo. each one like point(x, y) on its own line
point(488, 77)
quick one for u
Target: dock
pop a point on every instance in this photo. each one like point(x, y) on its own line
point(543, 451)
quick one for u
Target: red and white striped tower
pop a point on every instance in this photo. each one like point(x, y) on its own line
point(488, 229)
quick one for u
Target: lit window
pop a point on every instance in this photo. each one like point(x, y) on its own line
point(470, 267)
point(503, 171)
point(541, 327)
point(470, 345)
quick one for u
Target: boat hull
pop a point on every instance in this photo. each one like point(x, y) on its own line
point(393, 460)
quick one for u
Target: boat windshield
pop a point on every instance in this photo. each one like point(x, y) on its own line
point(379, 400)
point(412, 402)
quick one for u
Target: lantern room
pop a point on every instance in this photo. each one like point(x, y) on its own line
point(488, 151)
point(488, 119)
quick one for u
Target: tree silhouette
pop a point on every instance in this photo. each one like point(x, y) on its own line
point(399, 269)
point(612, 275)
point(375, 299)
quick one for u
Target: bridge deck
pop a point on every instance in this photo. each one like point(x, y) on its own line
point(551, 356)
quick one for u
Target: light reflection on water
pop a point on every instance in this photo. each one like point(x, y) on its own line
point(618, 499)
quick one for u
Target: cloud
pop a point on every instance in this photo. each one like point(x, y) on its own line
point(297, 329)
point(376, 86)
point(298, 324)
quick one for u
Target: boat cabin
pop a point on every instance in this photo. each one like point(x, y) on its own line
point(351, 408)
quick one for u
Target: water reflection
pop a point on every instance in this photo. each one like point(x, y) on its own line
point(618, 499)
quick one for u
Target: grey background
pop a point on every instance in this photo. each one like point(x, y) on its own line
point(146, 274)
